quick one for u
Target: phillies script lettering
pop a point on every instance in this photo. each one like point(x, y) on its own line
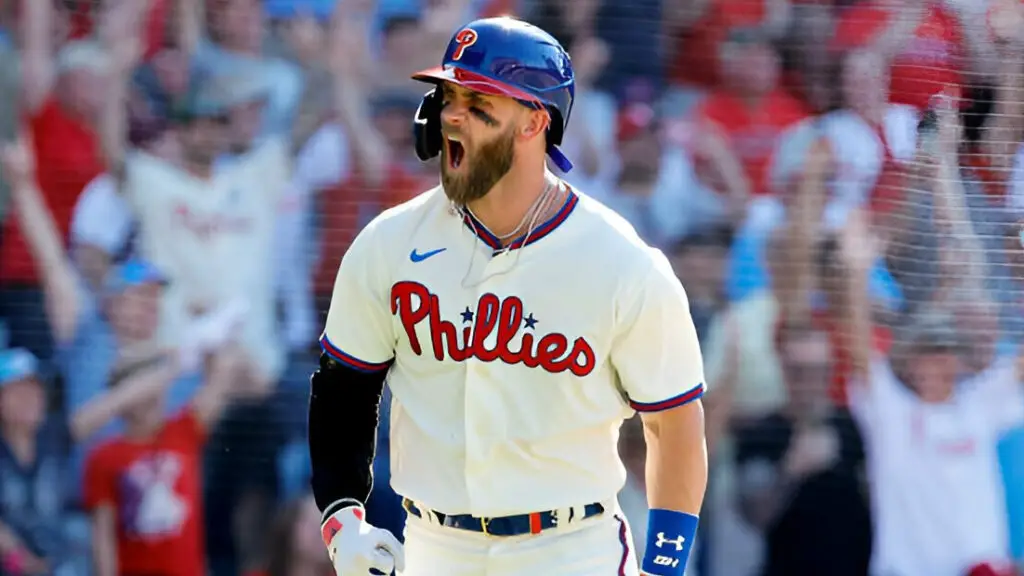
point(414, 303)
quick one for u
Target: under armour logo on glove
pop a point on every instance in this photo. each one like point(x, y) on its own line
point(677, 542)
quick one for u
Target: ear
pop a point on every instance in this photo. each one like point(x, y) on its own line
point(536, 122)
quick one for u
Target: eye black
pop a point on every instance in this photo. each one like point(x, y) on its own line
point(485, 117)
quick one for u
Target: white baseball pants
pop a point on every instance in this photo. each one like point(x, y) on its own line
point(599, 546)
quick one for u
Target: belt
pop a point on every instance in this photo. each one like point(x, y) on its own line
point(505, 526)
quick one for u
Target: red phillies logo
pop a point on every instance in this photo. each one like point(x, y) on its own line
point(464, 39)
point(414, 303)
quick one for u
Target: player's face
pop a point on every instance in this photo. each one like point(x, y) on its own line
point(479, 142)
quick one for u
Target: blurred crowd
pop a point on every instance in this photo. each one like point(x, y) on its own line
point(838, 183)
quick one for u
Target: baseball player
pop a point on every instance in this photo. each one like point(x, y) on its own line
point(518, 324)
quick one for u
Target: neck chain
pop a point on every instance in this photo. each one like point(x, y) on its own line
point(539, 204)
point(538, 208)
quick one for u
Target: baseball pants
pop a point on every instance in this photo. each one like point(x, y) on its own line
point(599, 546)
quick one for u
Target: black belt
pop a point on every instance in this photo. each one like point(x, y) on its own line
point(533, 523)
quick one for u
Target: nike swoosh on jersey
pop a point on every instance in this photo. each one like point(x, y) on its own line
point(417, 257)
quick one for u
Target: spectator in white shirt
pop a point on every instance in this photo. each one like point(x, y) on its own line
point(209, 225)
point(870, 137)
point(937, 497)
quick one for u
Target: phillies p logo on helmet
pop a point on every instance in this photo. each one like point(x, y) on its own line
point(464, 39)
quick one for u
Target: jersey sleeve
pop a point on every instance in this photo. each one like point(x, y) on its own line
point(359, 332)
point(656, 353)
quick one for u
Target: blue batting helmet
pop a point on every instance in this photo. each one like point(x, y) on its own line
point(508, 57)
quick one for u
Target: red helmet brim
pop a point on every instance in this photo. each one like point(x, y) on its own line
point(476, 82)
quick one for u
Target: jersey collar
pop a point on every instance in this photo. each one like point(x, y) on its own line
point(539, 232)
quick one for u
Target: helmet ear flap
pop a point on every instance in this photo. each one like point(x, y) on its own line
point(555, 128)
point(427, 125)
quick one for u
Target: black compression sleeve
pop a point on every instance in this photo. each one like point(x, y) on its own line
point(343, 415)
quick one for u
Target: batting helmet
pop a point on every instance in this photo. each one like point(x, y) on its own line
point(502, 57)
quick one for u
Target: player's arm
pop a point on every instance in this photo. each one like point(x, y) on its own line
point(677, 475)
point(358, 345)
point(659, 364)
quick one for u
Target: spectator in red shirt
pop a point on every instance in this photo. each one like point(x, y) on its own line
point(751, 109)
point(63, 98)
point(144, 489)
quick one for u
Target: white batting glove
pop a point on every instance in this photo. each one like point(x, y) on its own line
point(358, 548)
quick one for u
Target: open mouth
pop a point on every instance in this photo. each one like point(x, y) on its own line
point(456, 152)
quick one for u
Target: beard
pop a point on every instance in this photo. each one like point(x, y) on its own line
point(488, 165)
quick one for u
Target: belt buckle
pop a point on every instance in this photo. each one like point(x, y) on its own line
point(484, 526)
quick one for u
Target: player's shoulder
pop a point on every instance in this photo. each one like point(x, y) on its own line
point(614, 247)
point(612, 236)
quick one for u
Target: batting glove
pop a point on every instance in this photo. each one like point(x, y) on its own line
point(358, 548)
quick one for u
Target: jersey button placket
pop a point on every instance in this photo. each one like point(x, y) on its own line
point(482, 431)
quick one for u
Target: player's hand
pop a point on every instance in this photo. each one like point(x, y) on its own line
point(358, 548)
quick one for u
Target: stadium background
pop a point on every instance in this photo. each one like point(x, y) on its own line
point(741, 136)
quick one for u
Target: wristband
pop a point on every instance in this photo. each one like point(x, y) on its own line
point(670, 537)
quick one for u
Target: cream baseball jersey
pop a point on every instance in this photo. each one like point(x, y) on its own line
point(512, 370)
